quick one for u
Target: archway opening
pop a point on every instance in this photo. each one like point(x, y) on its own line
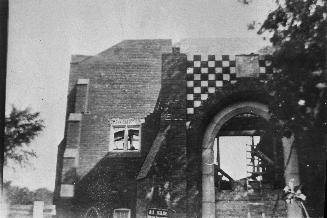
point(244, 154)
point(241, 119)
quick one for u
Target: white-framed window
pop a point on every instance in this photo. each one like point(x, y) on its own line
point(122, 213)
point(125, 138)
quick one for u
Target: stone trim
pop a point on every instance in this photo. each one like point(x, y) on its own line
point(71, 153)
point(83, 81)
point(148, 162)
point(81, 96)
point(75, 117)
point(67, 190)
point(208, 189)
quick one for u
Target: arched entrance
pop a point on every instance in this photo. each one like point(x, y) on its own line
point(208, 187)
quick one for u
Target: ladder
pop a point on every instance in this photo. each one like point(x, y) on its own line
point(255, 171)
point(255, 166)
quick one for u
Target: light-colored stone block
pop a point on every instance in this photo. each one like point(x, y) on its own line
point(83, 81)
point(190, 97)
point(197, 90)
point(211, 89)
point(71, 152)
point(197, 63)
point(190, 84)
point(211, 64)
point(75, 117)
point(67, 190)
point(208, 184)
point(204, 83)
point(225, 63)
point(197, 103)
point(247, 66)
point(218, 70)
point(190, 110)
point(38, 209)
point(204, 97)
point(212, 77)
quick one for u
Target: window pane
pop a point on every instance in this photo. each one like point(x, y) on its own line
point(125, 138)
point(133, 139)
point(119, 139)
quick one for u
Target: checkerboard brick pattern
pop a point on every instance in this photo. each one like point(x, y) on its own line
point(265, 67)
point(206, 74)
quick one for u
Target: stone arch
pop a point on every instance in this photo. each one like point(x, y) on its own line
point(208, 190)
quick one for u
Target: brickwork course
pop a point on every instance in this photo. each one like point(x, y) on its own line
point(173, 92)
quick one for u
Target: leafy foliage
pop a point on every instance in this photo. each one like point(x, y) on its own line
point(298, 31)
point(299, 88)
point(169, 164)
point(21, 127)
point(24, 196)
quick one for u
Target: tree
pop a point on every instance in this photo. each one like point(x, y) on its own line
point(299, 88)
point(298, 34)
point(43, 194)
point(21, 127)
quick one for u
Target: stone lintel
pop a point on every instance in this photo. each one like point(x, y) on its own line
point(75, 117)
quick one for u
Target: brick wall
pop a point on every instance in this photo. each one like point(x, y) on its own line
point(238, 203)
point(170, 162)
point(124, 83)
point(144, 79)
point(213, 83)
point(121, 82)
point(109, 185)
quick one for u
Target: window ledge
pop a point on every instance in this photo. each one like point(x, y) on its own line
point(124, 154)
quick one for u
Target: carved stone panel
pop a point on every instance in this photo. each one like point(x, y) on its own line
point(247, 66)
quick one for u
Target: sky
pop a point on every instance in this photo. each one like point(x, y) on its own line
point(43, 34)
point(235, 166)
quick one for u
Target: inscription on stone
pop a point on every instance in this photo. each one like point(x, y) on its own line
point(129, 121)
point(247, 66)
